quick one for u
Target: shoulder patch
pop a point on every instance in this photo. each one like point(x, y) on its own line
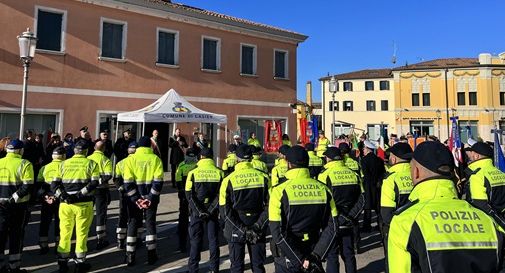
point(405, 207)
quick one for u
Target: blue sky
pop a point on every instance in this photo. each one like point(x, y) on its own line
point(358, 34)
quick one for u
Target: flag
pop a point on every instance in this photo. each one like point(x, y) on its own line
point(469, 132)
point(499, 159)
point(315, 131)
point(455, 142)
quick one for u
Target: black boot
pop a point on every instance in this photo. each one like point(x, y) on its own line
point(121, 244)
point(63, 266)
point(151, 256)
point(130, 258)
point(82, 267)
point(101, 244)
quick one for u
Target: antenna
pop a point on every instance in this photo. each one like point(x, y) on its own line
point(393, 59)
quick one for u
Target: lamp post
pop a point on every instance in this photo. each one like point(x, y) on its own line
point(439, 113)
point(27, 45)
point(333, 90)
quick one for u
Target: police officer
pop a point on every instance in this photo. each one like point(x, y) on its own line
point(349, 200)
point(322, 144)
point(256, 161)
point(437, 232)
point(315, 162)
point(486, 189)
point(231, 160)
point(50, 205)
point(102, 193)
point(279, 171)
point(122, 225)
point(74, 184)
point(181, 176)
point(143, 179)
point(243, 205)
point(348, 160)
point(16, 182)
point(202, 193)
point(299, 210)
point(397, 183)
point(373, 173)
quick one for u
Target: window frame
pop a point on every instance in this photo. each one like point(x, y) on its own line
point(344, 105)
point(470, 98)
point(387, 105)
point(347, 90)
point(176, 47)
point(418, 100)
point(429, 98)
point(218, 53)
point(63, 28)
point(372, 106)
point(333, 109)
point(124, 39)
point(460, 95)
point(502, 97)
point(286, 64)
point(373, 86)
point(388, 86)
point(255, 59)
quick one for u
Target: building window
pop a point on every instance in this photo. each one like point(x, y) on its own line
point(40, 123)
point(248, 59)
point(168, 47)
point(467, 129)
point(461, 98)
point(347, 86)
point(369, 85)
point(472, 98)
point(502, 98)
point(113, 39)
point(50, 29)
point(426, 99)
point(333, 106)
point(415, 99)
point(422, 127)
point(384, 105)
point(384, 85)
point(347, 105)
point(211, 53)
point(280, 64)
point(370, 105)
point(376, 130)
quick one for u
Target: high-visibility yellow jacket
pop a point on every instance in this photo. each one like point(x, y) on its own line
point(254, 142)
point(118, 173)
point(486, 186)
point(395, 190)
point(322, 144)
point(437, 232)
point(46, 175)
point(202, 187)
point(104, 167)
point(258, 164)
point(143, 175)
point(16, 178)
point(279, 172)
point(229, 163)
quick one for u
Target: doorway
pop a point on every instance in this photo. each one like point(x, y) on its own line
point(163, 135)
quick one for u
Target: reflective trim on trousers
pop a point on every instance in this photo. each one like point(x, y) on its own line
point(131, 244)
point(121, 233)
point(80, 257)
point(151, 242)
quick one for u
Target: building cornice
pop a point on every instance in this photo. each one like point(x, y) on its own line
point(198, 18)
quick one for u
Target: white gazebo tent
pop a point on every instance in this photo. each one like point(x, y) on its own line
point(170, 108)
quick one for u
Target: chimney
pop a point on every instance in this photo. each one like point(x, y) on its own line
point(308, 96)
point(485, 58)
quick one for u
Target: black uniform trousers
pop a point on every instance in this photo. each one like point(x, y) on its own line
point(13, 219)
point(283, 265)
point(182, 228)
point(47, 213)
point(257, 253)
point(344, 246)
point(102, 200)
point(122, 224)
point(196, 231)
point(135, 218)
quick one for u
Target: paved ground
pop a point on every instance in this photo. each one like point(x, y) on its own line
point(111, 259)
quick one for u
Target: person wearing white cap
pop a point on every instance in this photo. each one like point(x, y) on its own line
point(237, 140)
point(373, 173)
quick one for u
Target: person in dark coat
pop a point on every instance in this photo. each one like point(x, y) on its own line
point(104, 137)
point(68, 144)
point(121, 146)
point(86, 136)
point(176, 143)
point(373, 173)
point(53, 144)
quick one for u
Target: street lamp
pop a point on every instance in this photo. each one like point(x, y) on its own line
point(333, 90)
point(439, 114)
point(27, 45)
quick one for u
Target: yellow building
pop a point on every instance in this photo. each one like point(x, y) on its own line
point(427, 94)
point(364, 100)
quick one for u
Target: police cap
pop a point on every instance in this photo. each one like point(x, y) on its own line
point(244, 151)
point(190, 152)
point(207, 153)
point(15, 144)
point(344, 147)
point(59, 151)
point(84, 129)
point(232, 148)
point(145, 141)
point(133, 145)
point(435, 157)
point(255, 150)
point(333, 153)
point(481, 148)
point(81, 145)
point(401, 150)
point(309, 147)
point(284, 149)
point(298, 156)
